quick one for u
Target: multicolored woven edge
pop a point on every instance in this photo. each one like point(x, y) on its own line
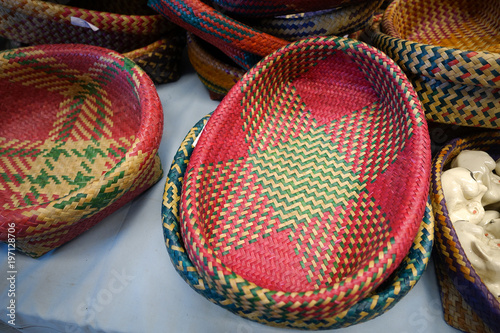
point(455, 86)
point(152, 41)
point(41, 227)
point(384, 298)
point(451, 255)
point(340, 21)
point(217, 76)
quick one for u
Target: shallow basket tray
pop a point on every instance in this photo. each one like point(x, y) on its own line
point(452, 257)
point(290, 179)
point(80, 130)
point(381, 300)
point(141, 34)
point(450, 53)
point(244, 44)
point(216, 71)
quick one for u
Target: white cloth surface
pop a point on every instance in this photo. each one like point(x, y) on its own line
point(117, 277)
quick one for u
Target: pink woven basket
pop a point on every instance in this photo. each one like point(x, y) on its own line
point(309, 182)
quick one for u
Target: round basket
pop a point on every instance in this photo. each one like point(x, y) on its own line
point(128, 27)
point(216, 71)
point(268, 8)
point(243, 43)
point(450, 52)
point(290, 179)
point(79, 136)
point(384, 298)
point(339, 22)
point(451, 254)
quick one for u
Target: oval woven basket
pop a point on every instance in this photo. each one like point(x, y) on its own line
point(290, 179)
point(243, 43)
point(215, 70)
point(128, 27)
point(451, 254)
point(80, 130)
point(450, 52)
point(338, 21)
point(381, 300)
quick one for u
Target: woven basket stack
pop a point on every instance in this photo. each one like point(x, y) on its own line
point(245, 31)
point(450, 51)
point(125, 26)
point(279, 211)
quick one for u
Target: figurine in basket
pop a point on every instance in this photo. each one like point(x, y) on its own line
point(472, 193)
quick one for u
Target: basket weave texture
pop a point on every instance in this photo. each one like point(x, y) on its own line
point(79, 136)
point(450, 52)
point(289, 180)
point(383, 299)
point(452, 257)
point(128, 27)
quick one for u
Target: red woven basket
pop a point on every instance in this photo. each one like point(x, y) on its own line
point(309, 182)
point(80, 129)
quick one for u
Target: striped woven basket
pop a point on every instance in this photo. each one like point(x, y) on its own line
point(244, 44)
point(339, 22)
point(452, 257)
point(381, 300)
point(128, 27)
point(450, 52)
point(215, 70)
point(80, 130)
point(285, 208)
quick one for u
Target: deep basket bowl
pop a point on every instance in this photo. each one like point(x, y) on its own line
point(452, 260)
point(309, 182)
point(381, 300)
point(450, 52)
point(80, 129)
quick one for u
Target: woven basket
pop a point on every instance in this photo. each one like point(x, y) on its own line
point(451, 254)
point(339, 22)
point(148, 38)
point(80, 129)
point(450, 52)
point(289, 180)
point(384, 298)
point(215, 70)
point(269, 8)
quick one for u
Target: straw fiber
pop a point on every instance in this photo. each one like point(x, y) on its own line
point(80, 129)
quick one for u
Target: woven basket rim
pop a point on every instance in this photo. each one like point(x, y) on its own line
point(148, 128)
point(418, 256)
point(252, 76)
point(445, 231)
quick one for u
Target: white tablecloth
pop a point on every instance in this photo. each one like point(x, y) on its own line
point(117, 277)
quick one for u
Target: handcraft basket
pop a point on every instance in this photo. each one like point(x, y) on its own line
point(128, 27)
point(452, 258)
point(381, 300)
point(243, 43)
point(286, 208)
point(450, 52)
point(80, 130)
point(216, 71)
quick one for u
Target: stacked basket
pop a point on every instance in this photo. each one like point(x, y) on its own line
point(128, 27)
point(282, 213)
point(246, 31)
point(80, 130)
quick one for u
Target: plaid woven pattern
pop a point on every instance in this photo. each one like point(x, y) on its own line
point(339, 22)
point(451, 255)
point(383, 299)
point(81, 129)
point(456, 75)
point(284, 180)
point(141, 32)
point(217, 76)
